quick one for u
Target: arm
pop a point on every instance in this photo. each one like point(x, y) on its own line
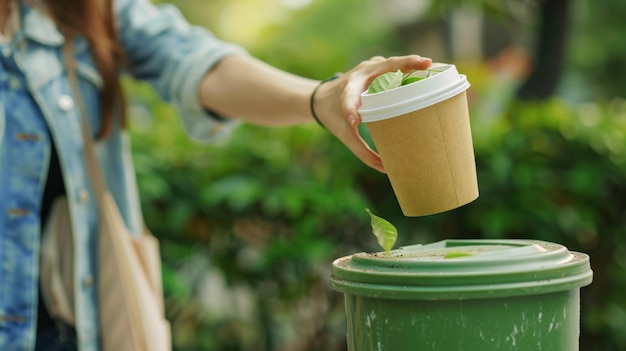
point(163, 49)
point(253, 91)
point(175, 57)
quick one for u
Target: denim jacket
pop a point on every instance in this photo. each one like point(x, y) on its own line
point(162, 49)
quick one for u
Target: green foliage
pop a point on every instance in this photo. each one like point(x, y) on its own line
point(249, 226)
point(597, 49)
point(327, 36)
point(257, 219)
point(266, 210)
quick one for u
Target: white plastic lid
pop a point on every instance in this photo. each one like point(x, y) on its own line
point(414, 96)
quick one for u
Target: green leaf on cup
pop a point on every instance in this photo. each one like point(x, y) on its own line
point(453, 254)
point(385, 232)
point(386, 81)
point(392, 80)
point(409, 80)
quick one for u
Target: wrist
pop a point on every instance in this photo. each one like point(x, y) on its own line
point(313, 95)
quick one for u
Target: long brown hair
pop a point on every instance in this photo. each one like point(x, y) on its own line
point(94, 19)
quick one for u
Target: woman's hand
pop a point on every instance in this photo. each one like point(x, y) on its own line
point(337, 102)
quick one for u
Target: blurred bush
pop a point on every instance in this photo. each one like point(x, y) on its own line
point(250, 226)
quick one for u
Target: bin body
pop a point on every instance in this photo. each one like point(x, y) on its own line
point(547, 322)
point(515, 297)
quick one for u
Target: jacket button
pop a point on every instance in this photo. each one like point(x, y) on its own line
point(83, 195)
point(66, 103)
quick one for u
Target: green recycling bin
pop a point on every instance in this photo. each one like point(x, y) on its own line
point(464, 295)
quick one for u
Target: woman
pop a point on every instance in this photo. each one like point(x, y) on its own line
point(211, 83)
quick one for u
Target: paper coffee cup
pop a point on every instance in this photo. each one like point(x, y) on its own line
point(422, 133)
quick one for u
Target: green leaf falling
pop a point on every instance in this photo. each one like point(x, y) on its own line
point(385, 232)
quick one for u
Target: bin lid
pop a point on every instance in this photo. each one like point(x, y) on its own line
point(452, 269)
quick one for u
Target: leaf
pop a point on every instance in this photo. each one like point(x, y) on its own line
point(457, 254)
point(392, 80)
point(417, 75)
point(384, 231)
point(409, 80)
point(386, 81)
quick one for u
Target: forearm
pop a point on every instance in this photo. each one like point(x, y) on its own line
point(245, 88)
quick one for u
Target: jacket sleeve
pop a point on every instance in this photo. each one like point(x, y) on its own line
point(173, 56)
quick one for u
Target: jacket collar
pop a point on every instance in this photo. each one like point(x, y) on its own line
point(40, 27)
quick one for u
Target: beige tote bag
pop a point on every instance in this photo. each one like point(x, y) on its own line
point(56, 263)
point(130, 296)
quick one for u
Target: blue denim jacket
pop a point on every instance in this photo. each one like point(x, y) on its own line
point(164, 50)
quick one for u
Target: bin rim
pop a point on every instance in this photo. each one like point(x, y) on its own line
point(494, 268)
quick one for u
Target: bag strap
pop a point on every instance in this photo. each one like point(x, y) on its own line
point(93, 166)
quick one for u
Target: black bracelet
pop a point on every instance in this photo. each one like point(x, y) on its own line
point(333, 77)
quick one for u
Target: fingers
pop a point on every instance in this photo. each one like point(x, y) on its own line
point(361, 76)
point(403, 63)
point(362, 150)
point(356, 81)
point(378, 65)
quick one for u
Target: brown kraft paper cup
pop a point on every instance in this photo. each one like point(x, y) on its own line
point(428, 156)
